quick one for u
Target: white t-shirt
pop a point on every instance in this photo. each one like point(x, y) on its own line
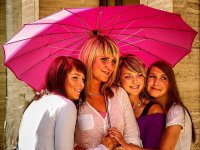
point(48, 124)
point(178, 116)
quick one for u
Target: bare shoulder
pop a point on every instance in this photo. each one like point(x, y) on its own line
point(155, 108)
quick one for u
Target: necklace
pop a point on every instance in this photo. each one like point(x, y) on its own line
point(138, 105)
point(93, 94)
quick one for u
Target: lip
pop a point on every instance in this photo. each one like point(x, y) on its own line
point(134, 87)
point(106, 72)
point(153, 88)
point(78, 90)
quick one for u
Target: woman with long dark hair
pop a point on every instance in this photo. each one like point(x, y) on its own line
point(179, 129)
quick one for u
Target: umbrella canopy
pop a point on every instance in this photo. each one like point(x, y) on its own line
point(148, 33)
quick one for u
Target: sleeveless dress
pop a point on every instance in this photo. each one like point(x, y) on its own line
point(151, 127)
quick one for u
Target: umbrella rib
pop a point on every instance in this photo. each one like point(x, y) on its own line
point(151, 28)
point(131, 20)
point(141, 49)
point(144, 38)
point(73, 43)
point(42, 36)
point(118, 15)
point(80, 19)
point(47, 58)
point(21, 75)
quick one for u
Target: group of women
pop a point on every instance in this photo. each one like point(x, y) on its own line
point(116, 104)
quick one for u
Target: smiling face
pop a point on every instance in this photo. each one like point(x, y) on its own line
point(74, 84)
point(158, 84)
point(103, 67)
point(132, 82)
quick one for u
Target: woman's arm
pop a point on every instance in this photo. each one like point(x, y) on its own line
point(65, 127)
point(131, 130)
point(175, 121)
point(170, 137)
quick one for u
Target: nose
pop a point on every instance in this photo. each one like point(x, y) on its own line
point(81, 84)
point(156, 82)
point(110, 66)
point(134, 80)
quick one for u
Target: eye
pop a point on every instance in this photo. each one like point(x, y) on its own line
point(104, 59)
point(140, 75)
point(128, 77)
point(151, 76)
point(163, 78)
point(114, 61)
point(75, 77)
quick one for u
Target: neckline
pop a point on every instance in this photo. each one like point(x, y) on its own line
point(138, 105)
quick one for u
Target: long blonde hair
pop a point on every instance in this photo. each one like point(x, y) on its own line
point(96, 46)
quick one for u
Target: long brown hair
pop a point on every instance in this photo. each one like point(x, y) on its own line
point(173, 92)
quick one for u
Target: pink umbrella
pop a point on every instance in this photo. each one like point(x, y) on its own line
point(148, 33)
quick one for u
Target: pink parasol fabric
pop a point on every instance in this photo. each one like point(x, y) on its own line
point(148, 33)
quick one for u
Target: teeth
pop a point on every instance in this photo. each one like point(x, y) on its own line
point(78, 90)
point(106, 72)
point(135, 87)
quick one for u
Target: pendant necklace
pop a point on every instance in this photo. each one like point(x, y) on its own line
point(138, 105)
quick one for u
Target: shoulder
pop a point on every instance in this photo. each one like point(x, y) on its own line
point(58, 102)
point(175, 116)
point(155, 108)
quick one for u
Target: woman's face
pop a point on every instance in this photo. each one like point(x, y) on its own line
point(74, 84)
point(157, 84)
point(103, 67)
point(132, 82)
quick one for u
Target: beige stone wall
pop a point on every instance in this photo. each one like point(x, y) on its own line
point(187, 70)
point(2, 72)
point(18, 94)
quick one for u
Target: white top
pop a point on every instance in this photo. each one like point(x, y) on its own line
point(91, 126)
point(48, 124)
point(178, 116)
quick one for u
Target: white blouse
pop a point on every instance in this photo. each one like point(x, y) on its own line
point(48, 124)
point(178, 116)
point(91, 126)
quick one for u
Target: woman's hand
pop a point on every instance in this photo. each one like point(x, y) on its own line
point(109, 142)
point(114, 133)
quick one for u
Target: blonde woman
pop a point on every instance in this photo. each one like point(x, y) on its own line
point(105, 107)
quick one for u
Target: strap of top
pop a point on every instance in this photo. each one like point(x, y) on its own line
point(146, 109)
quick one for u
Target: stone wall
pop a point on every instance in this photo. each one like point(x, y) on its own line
point(187, 70)
point(2, 72)
point(18, 94)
